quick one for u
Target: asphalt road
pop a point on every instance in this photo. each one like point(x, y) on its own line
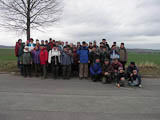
point(37, 99)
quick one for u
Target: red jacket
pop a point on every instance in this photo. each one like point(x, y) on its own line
point(43, 56)
point(17, 48)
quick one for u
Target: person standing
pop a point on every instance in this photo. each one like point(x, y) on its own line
point(26, 60)
point(83, 53)
point(54, 60)
point(17, 47)
point(43, 60)
point(123, 55)
point(36, 60)
point(66, 61)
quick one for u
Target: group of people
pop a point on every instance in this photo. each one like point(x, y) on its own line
point(62, 59)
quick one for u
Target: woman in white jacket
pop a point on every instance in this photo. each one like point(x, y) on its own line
point(54, 59)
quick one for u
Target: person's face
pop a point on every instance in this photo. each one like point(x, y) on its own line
point(42, 42)
point(131, 65)
point(114, 47)
point(54, 48)
point(66, 43)
point(74, 50)
point(20, 41)
point(115, 61)
point(37, 42)
point(134, 72)
point(106, 62)
point(95, 43)
point(94, 49)
point(104, 49)
point(57, 43)
point(122, 46)
point(46, 42)
point(121, 70)
point(41, 47)
point(90, 44)
point(31, 41)
point(83, 45)
point(104, 41)
point(78, 43)
point(101, 45)
point(36, 47)
point(97, 60)
point(65, 49)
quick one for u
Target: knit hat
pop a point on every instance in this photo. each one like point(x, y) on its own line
point(132, 63)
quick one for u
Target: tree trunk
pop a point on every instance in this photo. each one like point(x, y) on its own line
point(28, 20)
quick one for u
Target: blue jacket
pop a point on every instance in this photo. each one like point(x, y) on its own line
point(83, 53)
point(95, 69)
point(66, 59)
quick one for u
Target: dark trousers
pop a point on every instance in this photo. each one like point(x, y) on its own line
point(96, 77)
point(138, 78)
point(21, 69)
point(107, 78)
point(55, 70)
point(123, 63)
point(75, 69)
point(66, 71)
point(119, 81)
point(44, 70)
point(27, 70)
point(37, 69)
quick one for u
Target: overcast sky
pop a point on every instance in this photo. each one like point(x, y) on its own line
point(135, 22)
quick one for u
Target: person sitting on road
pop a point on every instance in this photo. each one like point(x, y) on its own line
point(133, 75)
point(121, 78)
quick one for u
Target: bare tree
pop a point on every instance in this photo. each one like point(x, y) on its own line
point(24, 15)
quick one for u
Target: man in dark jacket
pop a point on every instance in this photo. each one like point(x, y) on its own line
point(123, 55)
point(104, 55)
point(93, 55)
point(83, 53)
point(106, 44)
point(107, 71)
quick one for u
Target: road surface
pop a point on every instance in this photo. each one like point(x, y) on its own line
point(37, 99)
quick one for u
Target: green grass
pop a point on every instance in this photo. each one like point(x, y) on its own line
point(149, 63)
point(8, 61)
point(7, 55)
point(143, 58)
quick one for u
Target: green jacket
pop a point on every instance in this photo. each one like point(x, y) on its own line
point(26, 58)
point(123, 54)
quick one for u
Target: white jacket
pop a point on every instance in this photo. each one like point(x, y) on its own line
point(53, 53)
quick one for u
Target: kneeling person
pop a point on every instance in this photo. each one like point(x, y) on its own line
point(133, 75)
point(121, 78)
point(107, 71)
point(96, 70)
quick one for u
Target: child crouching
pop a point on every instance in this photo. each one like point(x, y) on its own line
point(120, 82)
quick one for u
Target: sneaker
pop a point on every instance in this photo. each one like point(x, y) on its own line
point(140, 86)
point(118, 85)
